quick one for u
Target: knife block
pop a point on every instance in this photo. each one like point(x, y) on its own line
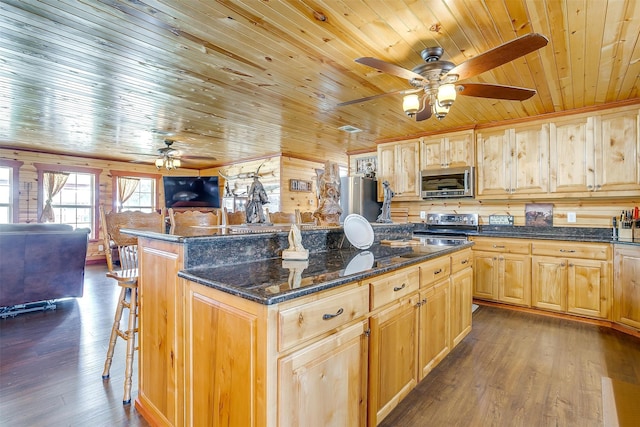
point(626, 233)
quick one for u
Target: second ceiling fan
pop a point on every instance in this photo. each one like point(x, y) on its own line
point(439, 80)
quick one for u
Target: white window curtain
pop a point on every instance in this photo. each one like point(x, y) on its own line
point(126, 188)
point(52, 183)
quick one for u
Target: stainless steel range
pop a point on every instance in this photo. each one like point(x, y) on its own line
point(446, 229)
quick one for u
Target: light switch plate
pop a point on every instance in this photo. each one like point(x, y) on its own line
point(423, 215)
point(571, 217)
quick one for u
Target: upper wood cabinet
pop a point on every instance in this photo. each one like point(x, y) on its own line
point(513, 162)
point(596, 154)
point(399, 163)
point(451, 150)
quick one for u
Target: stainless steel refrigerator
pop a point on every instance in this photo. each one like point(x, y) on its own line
point(359, 195)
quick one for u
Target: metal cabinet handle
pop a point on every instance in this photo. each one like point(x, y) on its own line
point(464, 261)
point(331, 316)
point(399, 288)
point(567, 250)
point(499, 246)
point(589, 187)
point(438, 271)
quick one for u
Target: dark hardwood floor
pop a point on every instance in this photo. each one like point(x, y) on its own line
point(514, 369)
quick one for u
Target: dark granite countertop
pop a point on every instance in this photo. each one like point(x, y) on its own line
point(577, 234)
point(271, 281)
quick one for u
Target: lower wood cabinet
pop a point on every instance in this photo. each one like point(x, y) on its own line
point(433, 332)
point(325, 383)
point(461, 302)
point(566, 282)
point(627, 286)
point(392, 356)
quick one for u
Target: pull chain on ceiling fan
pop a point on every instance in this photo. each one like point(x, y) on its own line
point(437, 79)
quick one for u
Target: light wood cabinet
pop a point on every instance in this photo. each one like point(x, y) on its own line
point(433, 335)
point(502, 270)
point(399, 163)
point(461, 302)
point(449, 150)
point(618, 148)
point(325, 383)
point(513, 162)
point(565, 280)
point(392, 356)
point(626, 305)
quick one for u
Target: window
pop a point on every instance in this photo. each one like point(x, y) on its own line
point(143, 197)
point(9, 194)
point(75, 203)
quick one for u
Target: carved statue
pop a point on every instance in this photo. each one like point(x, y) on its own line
point(329, 210)
point(385, 214)
point(256, 198)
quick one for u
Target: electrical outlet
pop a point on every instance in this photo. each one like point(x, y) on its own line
point(571, 217)
point(423, 215)
point(101, 247)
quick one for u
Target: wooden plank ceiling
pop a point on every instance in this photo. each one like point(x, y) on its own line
point(234, 80)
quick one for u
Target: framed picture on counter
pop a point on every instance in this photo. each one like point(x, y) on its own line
point(538, 214)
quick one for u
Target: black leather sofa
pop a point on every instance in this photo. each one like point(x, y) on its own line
point(39, 263)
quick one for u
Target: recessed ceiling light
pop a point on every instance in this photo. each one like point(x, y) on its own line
point(350, 129)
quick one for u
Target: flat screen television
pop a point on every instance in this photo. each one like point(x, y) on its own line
point(191, 191)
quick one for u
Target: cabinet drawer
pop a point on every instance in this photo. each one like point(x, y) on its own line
point(304, 321)
point(461, 260)
point(389, 287)
point(435, 270)
point(509, 246)
point(572, 249)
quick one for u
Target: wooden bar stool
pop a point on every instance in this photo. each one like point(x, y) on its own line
point(127, 279)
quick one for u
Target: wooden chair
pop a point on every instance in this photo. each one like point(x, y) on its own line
point(305, 218)
point(187, 220)
point(281, 217)
point(234, 218)
point(127, 278)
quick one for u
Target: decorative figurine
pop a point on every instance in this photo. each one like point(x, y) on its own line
point(385, 215)
point(256, 198)
point(296, 250)
point(329, 210)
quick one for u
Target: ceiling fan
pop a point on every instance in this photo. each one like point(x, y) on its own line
point(439, 80)
point(171, 158)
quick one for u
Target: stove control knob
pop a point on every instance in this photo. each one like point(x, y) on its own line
point(430, 219)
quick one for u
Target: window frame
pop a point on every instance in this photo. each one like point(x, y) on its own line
point(114, 185)
point(15, 187)
point(44, 167)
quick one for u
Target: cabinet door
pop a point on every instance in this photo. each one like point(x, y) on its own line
point(588, 288)
point(494, 163)
point(392, 357)
point(618, 152)
point(325, 383)
point(461, 305)
point(459, 149)
point(514, 283)
point(549, 283)
point(486, 268)
point(572, 155)
point(432, 154)
point(221, 362)
point(530, 160)
point(407, 171)
point(386, 167)
point(626, 308)
point(434, 338)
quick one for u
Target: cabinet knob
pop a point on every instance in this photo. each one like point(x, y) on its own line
point(331, 316)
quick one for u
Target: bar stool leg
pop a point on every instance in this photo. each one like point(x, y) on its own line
point(114, 333)
point(130, 335)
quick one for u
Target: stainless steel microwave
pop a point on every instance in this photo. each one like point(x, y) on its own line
point(448, 183)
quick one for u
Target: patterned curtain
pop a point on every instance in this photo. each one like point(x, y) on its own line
point(126, 188)
point(52, 183)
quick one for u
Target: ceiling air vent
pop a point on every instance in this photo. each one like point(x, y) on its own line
point(350, 129)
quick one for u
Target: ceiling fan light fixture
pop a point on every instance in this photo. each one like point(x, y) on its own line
point(447, 94)
point(168, 162)
point(411, 104)
point(439, 110)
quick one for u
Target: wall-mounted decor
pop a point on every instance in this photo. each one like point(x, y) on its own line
point(300, 185)
point(538, 214)
point(366, 166)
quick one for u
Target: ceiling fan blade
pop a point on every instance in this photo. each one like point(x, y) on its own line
point(482, 90)
point(187, 157)
point(369, 98)
point(388, 68)
point(425, 112)
point(500, 55)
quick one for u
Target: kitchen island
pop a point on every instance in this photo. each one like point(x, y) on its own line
point(338, 339)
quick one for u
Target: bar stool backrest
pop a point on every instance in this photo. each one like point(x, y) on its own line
point(193, 218)
point(126, 244)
